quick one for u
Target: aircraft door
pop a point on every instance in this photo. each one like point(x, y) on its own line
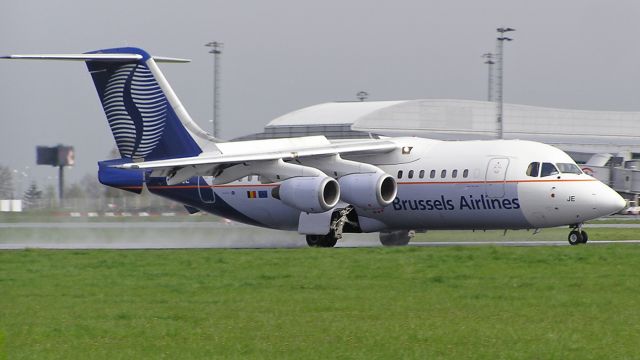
point(205, 190)
point(496, 176)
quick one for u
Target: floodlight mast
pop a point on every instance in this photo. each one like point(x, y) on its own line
point(216, 50)
point(489, 61)
point(500, 77)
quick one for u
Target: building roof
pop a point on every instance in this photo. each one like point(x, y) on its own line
point(572, 130)
point(335, 113)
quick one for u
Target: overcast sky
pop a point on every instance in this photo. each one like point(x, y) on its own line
point(283, 55)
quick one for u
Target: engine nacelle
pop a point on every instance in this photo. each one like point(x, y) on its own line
point(369, 190)
point(309, 194)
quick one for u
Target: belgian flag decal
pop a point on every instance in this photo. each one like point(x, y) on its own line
point(262, 194)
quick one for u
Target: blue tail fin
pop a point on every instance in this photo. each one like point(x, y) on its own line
point(146, 118)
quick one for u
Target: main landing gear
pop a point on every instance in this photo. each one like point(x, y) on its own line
point(397, 238)
point(341, 220)
point(577, 235)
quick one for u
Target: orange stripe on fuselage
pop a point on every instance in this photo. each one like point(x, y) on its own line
point(399, 183)
point(491, 182)
point(207, 186)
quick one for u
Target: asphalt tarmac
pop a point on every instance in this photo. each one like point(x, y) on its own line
point(179, 225)
point(271, 245)
point(232, 236)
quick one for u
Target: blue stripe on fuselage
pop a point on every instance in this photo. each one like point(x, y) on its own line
point(188, 193)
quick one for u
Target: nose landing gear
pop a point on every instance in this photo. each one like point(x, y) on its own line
point(577, 235)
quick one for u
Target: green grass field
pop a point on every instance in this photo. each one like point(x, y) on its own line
point(480, 302)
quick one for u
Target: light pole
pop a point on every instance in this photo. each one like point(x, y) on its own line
point(216, 50)
point(20, 176)
point(500, 55)
point(489, 61)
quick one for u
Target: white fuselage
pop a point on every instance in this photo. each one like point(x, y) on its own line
point(450, 185)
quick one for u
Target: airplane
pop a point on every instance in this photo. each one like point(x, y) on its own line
point(324, 188)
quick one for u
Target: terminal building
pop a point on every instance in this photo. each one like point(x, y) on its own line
point(606, 142)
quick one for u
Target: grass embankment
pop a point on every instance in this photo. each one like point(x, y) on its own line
point(481, 302)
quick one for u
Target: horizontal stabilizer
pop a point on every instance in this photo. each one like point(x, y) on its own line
point(93, 57)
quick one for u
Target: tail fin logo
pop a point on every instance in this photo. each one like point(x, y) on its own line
point(136, 109)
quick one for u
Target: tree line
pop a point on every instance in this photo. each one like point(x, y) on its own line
point(87, 194)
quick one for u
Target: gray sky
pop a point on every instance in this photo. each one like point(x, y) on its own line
point(283, 55)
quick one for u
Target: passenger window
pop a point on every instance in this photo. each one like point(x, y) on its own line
point(548, 169)
point(410, 174)
point(443, 174)
point(533, 169)
point(421, 174)
point(399, 174)
point(569, 168)
point(454, 174)
point(432, 174)
point(465, 173)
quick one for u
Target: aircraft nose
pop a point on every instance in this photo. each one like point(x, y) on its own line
point(611, 202)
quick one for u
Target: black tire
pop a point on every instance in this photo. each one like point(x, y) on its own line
point(313, 240)
point(321, 240)
point(575, 237)
point(585, 237)
point(330, 241)
point(395, 238)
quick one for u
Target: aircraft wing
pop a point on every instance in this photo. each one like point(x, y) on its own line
point(297, 150)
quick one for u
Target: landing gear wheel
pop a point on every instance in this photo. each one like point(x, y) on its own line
point(575, 237)
point(395, 238)
point(585, 237)
point(313, 240)
point(341, 220)
point(321, 240)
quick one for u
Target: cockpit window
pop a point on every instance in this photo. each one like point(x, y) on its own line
point(548, 169)
point(569, 168)
point(533, 169)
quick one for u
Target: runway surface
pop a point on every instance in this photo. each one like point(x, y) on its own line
point(180, 225)
point(519, 243)
point(254, 245)
point(123, 225)
point(162, 235)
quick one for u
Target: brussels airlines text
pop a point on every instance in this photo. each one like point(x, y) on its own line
point(464, 203)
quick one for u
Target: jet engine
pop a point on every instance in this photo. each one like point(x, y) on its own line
point(369, 190)
point(309, 194)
